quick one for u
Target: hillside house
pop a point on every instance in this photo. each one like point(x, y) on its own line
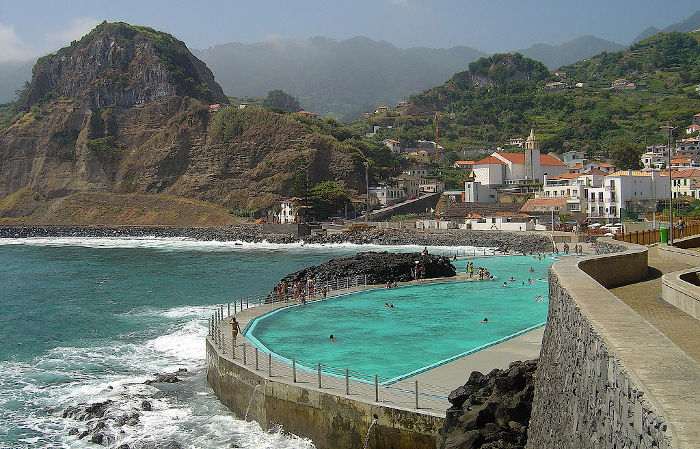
point(387, 194)
point(421, 156)
point(692, 129)
point(409, 183)
point(416, 170)
point(394, 145)
point(287, 211)
point(556, 85)
point(574, 157)
point(630, 86)
point(309, 114)
point(463, 165)
point(685, 183)
point(431, 186)
point(696, 117)
point(214, 107)
point(381, 109)
point(619, 83)
point(560, 74)
point(516, 142)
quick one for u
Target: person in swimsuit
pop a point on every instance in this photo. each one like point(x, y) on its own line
point(235, 328)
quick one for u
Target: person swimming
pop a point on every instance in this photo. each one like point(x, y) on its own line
point(485, 320)
point(332, 338)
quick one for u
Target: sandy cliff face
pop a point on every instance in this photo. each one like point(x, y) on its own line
point(126, 111)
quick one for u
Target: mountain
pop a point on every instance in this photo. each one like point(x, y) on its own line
point(554, 56)
point(649, 32)
point(337, 78)
point(504, 96)
point(118, 128)
point(692, 23)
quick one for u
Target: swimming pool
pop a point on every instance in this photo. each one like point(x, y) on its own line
point(429, 325)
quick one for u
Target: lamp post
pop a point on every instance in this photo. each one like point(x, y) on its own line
point(670, 185)
point(367, 185)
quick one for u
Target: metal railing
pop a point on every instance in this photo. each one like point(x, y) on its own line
point(404, 393)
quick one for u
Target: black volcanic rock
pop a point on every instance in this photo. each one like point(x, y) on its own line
point(379, 267)
point(492, 410)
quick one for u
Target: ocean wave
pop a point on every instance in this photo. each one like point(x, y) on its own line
point(189, 244)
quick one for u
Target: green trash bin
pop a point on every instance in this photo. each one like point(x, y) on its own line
point(663, 230)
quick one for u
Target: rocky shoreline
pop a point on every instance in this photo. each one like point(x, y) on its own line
point(504, 241)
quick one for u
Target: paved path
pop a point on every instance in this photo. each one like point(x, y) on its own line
point(645, 298)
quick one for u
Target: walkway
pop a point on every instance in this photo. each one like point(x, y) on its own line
point(645, 298)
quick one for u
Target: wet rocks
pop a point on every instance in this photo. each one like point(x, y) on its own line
point(379, 267)
point(165, 378)
point(491, 411)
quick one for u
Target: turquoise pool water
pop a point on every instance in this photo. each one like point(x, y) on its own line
point(429, 325)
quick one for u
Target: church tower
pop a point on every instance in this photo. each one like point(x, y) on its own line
point(533, 169)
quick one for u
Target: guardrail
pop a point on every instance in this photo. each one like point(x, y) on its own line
point(371, 386)
point(654, 235)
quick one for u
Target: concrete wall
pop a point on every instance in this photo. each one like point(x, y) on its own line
point(606, 378)
point(680, 289)
point(408, 207)
point(330, 421)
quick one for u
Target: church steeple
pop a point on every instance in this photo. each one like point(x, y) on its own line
point(532, 143)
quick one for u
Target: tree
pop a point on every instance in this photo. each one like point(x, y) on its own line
point(626, 154)
point(280, 99)
point(328, 197)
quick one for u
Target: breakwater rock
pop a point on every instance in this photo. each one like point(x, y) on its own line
point(512, 241)
point(379, 267)
point(491, 411)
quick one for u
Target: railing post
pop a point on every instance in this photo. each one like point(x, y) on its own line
point(376, 388)
point(347, 382)
point(233, 348)
point(234, 307)
point(228, 308)
point(294, 371)
point(256, 359)
point(319, 375)
point(269, 365)
point(416, 395)
point(244, 354)
point(246, 303)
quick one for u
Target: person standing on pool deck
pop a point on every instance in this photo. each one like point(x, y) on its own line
point(235, 328)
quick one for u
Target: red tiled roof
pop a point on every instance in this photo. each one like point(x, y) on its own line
point(620, 80)
point(392, 140)
point(490, 160)
point(307, 112)
point(576, 167)
point(567, 176)
point(464, 162)
point(604, 164)
point(519, 158)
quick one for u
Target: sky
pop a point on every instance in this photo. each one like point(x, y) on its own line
point(31, 28)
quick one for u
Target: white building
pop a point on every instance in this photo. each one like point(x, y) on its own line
point(503, 169)
point(387, 194)
point(574, 187)
point(621, 190)
point(416, 170)
point(504, 221)
point(431, 186)
point(288, 212)
point(574, 158)
point(393, 145)
point(475, 192)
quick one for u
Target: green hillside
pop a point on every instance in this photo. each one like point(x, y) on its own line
point(503, 96)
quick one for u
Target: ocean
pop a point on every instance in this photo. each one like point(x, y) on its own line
point(89, 320)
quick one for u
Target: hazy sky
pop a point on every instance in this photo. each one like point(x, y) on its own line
point(32, 27)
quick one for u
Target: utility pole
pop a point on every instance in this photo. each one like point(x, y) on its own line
point(367, 186)
point(670, 185)
point(437, 147)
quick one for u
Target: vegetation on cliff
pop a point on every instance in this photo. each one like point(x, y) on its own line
point(504, 96)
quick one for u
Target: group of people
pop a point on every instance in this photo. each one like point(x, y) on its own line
point(578, 249)
point(299, 291)
point(418, 272)
point(481, 272)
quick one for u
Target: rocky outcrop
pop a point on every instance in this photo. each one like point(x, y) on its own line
point(379, 268)
point(491, 411)
point(126, 110)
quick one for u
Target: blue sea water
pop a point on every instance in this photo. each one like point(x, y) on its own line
point(87, 320)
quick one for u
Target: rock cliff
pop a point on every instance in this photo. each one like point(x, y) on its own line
point(126, 110)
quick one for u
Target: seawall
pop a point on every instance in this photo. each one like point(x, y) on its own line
point(329, 418)
point(607, 378)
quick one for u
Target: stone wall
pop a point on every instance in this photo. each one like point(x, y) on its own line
point(606, 378)
point(330, 421)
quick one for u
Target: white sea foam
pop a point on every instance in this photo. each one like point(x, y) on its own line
point(189, 244)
